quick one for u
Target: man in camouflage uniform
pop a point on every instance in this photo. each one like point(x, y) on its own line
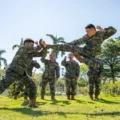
point(51, 74)
point(94, 74)
point(20, 85)
point(71, 76)
point(18, 68)
point(92, 40)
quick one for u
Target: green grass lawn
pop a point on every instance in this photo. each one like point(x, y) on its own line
point(107, 108)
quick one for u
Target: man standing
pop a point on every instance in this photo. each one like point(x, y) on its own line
point(94, 74)
point(18, 68)
point(51, 74)
point(71, 76)
point(20, 85)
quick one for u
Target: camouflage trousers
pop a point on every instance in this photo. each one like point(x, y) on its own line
point(21, 88)
point(51, 84)
point(94, 82)
point(81, 51)
point(71, 85)
point(11, 76)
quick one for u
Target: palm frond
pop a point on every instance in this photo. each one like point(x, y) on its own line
point(2, 51)
point(15, 46)
point(61, 39)
point(3, 60)
point(53, 38)
point(61, 42)
point(22, 42)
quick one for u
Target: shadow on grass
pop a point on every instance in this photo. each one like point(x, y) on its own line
point(60, 101)
point(37, 113)
point(26, 102)
point(79, 101)
point(107, 101)
point(104, 114)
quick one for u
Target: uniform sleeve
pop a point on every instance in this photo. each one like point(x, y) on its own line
point(43, 60)
point(108, 32)
point(42, 53)
point(28, 49)
point(79, 41)
point(77, 70)
point(36, 65)
point(64, 62)
point(57, 71)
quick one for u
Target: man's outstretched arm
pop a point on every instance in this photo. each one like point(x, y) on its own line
point(42, 53)
point(35, 64)
point(29, 49)
point(107, 32)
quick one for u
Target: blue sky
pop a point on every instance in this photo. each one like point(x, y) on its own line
point(66, 18)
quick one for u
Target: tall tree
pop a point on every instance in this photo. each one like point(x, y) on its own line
point(111, 57)
point(18, 46)
point(56, 40)
point(2, 59)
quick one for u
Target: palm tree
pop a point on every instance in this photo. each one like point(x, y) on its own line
point(18, 46)
point(56, 40)
point(2, 59)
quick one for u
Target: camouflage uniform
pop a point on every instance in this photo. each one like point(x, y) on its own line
point(94, 74)
point(50, 74)
point(72, 72)
point(20, 85)
point(92, 46)
point(18, 69)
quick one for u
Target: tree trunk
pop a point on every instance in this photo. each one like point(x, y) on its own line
point(112, 73)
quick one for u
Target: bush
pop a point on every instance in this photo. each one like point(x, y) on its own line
point(83, 90)
point(111, 89)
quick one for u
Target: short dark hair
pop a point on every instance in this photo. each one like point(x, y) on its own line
point(28, 40)
point(90, 26)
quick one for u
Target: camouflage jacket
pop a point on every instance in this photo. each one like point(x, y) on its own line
point(96, 70)
point(23, 58)
point(93, 44)
point(51, 69)
point(32, 65)
point(72, 68)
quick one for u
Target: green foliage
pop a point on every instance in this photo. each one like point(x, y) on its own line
point(56, 40)
point(80, 109)
point(83, 73)
point(18, 46)
point(2, 72)
point(111, 57)
point(2, 59)
point(82, 82)
point(83, 90)
point(60, 83)
point(111, 89)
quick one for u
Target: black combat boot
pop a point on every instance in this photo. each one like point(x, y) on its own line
point(53, 97)
point(96, 97)
point(68, 97)
point(33, 104)
point(91, 97)
point(72, 97)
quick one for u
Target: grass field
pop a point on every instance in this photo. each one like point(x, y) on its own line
point(107, 108)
